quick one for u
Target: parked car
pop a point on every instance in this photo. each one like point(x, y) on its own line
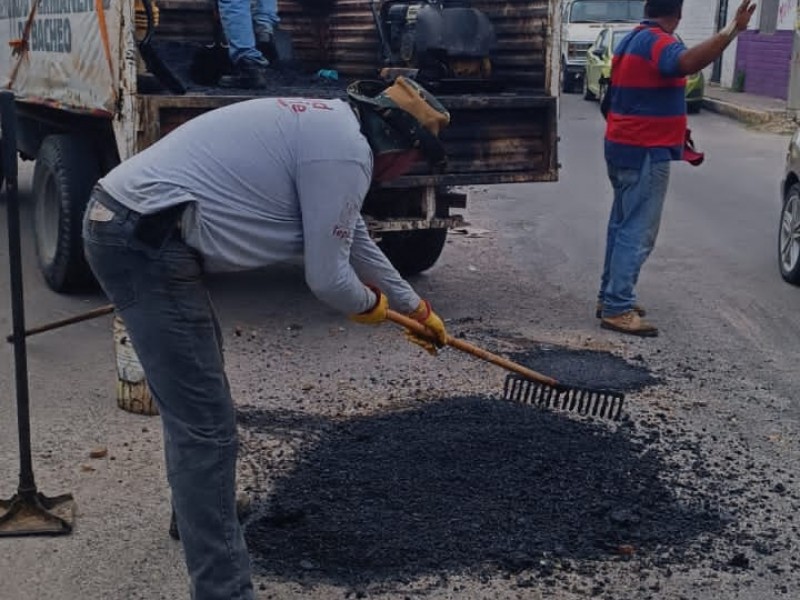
point(789, 232)
point(598, 69)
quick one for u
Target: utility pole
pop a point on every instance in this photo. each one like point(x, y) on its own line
point(719, 23)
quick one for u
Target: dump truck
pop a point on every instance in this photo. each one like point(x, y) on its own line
point(96, 81)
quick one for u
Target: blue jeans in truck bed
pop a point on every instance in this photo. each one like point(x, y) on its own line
point(241, 19)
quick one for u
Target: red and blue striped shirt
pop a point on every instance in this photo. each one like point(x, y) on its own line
point(647, 112)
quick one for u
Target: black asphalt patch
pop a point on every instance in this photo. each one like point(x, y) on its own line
point(587, 368)
point(472, 485)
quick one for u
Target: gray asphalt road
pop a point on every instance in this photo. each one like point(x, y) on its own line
point(722, 421)
point(712, 282)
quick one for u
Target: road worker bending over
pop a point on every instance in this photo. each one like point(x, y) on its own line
point(241, 187)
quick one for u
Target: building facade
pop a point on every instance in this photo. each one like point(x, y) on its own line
point(760, 61)
point(764, 52)
point(698, 23)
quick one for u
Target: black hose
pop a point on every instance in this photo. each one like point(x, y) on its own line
point(151, 59)
point(151, 23)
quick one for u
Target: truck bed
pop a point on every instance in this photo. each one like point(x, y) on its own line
point(499, 138)
point(504, 135)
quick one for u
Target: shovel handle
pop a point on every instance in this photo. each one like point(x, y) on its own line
point(475, 351)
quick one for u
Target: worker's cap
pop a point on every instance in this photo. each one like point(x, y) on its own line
point(410, 117)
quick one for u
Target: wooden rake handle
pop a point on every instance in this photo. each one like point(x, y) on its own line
point(475, 351)
point(92, 314)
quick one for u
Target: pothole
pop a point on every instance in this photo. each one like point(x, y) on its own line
point(587, 368)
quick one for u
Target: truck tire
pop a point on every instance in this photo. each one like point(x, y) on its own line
point(602, 92)
point(65, 172)
point(587, 94)
point(566, 84)
point(413, 252)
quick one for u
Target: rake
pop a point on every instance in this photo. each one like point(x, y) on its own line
point(522, 385)
point(527, 386)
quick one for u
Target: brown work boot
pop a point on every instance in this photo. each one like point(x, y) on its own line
point(599, 310)
point(629, 322)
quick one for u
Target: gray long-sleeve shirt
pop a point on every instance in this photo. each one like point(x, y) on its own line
point(268, 180)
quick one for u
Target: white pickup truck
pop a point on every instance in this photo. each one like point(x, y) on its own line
point(97, 81)
point(581, 22)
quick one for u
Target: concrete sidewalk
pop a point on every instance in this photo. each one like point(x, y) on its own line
point(758, 111)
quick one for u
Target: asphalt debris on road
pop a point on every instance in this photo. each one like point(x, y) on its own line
point(386, 488)
point(489, 488)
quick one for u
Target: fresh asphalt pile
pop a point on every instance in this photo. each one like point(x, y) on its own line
point(472, 485)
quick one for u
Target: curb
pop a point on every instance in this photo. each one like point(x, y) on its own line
point(751, 116)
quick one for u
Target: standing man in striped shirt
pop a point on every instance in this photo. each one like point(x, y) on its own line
point(646, 129)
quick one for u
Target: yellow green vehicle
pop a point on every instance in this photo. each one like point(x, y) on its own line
point(598, 69)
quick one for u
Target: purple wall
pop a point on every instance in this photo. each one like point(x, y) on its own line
point(765, 60)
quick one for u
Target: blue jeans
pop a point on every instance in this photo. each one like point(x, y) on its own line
point(240, 20)
point(632, 229)
point(158, 291)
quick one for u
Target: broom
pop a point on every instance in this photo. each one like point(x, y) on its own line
point(530, 387)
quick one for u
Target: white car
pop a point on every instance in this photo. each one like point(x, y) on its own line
point(581, 21)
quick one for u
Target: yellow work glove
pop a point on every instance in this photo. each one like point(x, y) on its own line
point(425, 315)
point(377, 313)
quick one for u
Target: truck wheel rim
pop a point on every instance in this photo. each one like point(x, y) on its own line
point(790, 232)
point(47, 216)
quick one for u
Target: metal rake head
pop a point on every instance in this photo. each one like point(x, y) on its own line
point(605, 404)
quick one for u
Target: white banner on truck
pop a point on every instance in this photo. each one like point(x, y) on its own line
point(65, 60)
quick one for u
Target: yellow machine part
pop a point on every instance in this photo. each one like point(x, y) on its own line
point(477, 67)
point(141, 17)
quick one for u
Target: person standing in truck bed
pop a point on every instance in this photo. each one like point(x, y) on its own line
point(241, 187)
point(249, 26)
